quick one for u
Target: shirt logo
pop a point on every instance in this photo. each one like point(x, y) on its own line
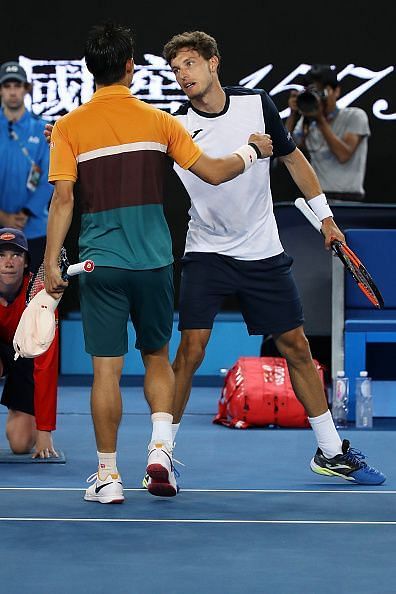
point(196, 132)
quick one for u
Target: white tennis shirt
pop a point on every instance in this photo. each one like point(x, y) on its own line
point(235, 218)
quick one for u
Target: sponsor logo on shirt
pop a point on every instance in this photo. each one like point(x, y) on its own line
point(196, 132)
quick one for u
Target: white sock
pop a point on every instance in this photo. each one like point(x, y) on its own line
point(162, 427)
point(107, 464)
point(175, 429)
point(326, 434)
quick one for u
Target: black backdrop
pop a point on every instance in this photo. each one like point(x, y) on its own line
point(250, 36)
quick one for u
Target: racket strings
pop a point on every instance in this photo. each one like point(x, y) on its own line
point(37, 282)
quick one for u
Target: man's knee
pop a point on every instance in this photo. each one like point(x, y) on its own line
point(191, 353)
point(20, 431)
point(294, 346)
point(20, 444)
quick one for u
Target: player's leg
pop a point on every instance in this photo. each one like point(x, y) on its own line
point(106, 403)
point(307, 385)
point(189, 356)
point(206, 280)
point(152, 304)
point(105, 312)
point(271, 305)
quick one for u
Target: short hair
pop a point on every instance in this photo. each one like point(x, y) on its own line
point(323, 74)
point(107, 49)
point(201, 42)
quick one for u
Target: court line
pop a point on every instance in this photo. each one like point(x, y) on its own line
point(351, 490)
point(200, 521)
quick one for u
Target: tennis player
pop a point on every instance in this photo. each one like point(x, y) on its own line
point(30, 385)
point(116, 146)
point(233, 245)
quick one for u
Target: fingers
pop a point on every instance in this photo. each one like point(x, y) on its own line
point(45, 453)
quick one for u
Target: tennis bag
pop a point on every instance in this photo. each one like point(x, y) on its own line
point(257, 392)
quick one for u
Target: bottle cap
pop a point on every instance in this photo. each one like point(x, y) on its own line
point(363, 374)
point(340, 373)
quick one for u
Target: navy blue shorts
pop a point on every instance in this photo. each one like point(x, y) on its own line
point(266, 291)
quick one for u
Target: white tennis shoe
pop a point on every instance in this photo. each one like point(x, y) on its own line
point(161, 471)
point(108, 490)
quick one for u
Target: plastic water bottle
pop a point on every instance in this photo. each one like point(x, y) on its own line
point(364, 401)
point(340, 399)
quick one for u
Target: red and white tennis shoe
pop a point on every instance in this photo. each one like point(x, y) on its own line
point(161, 471)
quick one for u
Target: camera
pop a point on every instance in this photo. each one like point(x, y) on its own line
point(309, 99)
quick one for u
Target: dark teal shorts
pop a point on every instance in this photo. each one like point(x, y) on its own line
point(110, 296)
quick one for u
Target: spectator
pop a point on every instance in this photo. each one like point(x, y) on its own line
point(30, 387)
point(24, 156)
point(334, 139)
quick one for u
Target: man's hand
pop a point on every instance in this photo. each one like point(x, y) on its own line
point(48, 132)
point(44, 448)
point(331, 232)
point(54, 283)
point(16, 220)
point(263, 142)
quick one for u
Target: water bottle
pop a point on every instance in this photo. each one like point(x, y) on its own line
point(364, 401)
point(340, 398)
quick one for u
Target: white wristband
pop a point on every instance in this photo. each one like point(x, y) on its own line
point(320, 207)
point(248, 154)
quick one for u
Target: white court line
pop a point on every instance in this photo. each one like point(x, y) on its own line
point(352, 490)
point(195, 521)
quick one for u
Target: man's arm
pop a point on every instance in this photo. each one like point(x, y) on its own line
point(45, 399)
point(218, 170)
point(306, 179)
point(343, 148)
point(17, 220)
point(59, 221)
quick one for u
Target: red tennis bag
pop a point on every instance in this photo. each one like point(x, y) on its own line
point(257, 392)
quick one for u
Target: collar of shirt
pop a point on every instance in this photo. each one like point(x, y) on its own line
point(111, 90)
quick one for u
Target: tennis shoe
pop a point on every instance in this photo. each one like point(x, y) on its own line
point(350, 465)
point(160, 470)
point(108, 490)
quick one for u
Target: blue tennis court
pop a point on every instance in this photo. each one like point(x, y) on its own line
point(250, 516)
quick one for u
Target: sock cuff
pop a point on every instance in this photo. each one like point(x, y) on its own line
point(110, 455)
point(162, 416)
point(323, 418)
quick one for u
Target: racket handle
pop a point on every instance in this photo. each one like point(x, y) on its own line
point(86, 266)
point(308, 213)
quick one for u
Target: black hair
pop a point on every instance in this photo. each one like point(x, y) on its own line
point(323, 74)
point(107, 49)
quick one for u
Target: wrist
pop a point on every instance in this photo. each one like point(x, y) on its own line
point(320, 207)
point(248, 153)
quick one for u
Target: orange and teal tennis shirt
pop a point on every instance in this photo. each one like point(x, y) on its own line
point(116, 146)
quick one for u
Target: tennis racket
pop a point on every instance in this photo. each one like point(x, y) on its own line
point(36, 283)
point(349, 259)
point(36, 328)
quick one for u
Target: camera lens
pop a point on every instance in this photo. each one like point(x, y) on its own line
point(308, 100)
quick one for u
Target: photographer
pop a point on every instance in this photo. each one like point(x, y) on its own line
point(333, 139)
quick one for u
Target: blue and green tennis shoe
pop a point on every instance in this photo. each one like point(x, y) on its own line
point(351, 465)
